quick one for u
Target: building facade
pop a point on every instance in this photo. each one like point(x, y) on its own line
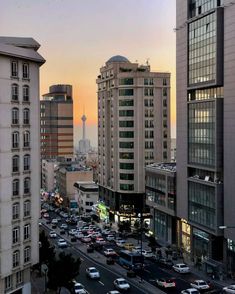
point(160, 189)
point(205, 129)
point(19, 162)
point(49, 168)
point(133, 131)
point(57, 123)
point(86, 195)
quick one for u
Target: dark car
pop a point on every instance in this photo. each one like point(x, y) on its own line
point(62, 232)
point(165, 262)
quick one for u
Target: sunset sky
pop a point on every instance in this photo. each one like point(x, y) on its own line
point(78, 36)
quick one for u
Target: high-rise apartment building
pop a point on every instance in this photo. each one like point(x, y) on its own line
point(57, 123)
point(133, 131)
point(205, 128)
point(19, 162)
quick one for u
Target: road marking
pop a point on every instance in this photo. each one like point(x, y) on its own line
point(147, 271)
point(101, 283)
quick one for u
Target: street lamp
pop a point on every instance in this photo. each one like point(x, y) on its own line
point(140, 215)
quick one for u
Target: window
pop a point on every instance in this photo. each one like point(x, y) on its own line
point(26, 137)
point(124, 165)
point(15, 187)
point(126, 155)
point(126, 112)
point(26, 116)
point(27, 254)
point(127, 187)
point(15, 116)
point(15, 235)
point(164, 82)
point(14, 69)
point(126, 92)
point(25, 93)
point(25, 70)
point(126, 124)
point(27, 206)
point(126, 102)
point(8, 282)
point(126, 81)
point(26, 162)
point(15, 164)
point(126, 134)
point(16, 258)
point(26, 231)
point(15, 92)
point(148, 92)
point(26, 185)
point(128, 177)
point(128, 145)
point(164, 91)
point(19, 277)
point(15, 211)
point(15, 140)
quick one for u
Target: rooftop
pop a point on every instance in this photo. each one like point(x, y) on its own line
point(168, 166)
point(118, 58)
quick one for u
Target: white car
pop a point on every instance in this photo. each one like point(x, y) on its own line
point(121, 243)
point(121, 284)
point(181, 268)
point(64, 226)
point(109, 252)
point(136, 249)
point(52, 234)
point(62, 243)
point(190, 291)
point(200, 285)
point(92, 273)
point(166, 283)
point(79, 235)
point(113, 292)
point(147, 253)
point(229, 289)
point(54, 221)
point(79, 288)
point(72, 232)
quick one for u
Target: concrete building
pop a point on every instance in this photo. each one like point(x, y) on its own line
point(66, 176)
point(173, 149)
point(84, 143)
point(19, 161)
point(57, 123)
point(133, 131)
point(49, 168)
point(160, 189)
point(206, 130)
point(86, 195)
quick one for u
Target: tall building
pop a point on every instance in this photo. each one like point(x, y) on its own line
point(19, 162)
point(57, 123)
point(133, 131)
point(84, 143)
point(206, 129)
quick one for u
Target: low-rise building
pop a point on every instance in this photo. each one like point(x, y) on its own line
point(49, 167)
point(86, 195)
point(160, 188)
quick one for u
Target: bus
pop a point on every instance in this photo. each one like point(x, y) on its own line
point(131, 260)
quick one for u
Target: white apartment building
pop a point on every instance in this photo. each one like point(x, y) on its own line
point(133, 131)
point(19, 162)
point(49, 168)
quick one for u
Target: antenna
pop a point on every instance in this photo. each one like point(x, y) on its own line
point(147, 61)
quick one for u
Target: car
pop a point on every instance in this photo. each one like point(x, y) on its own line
point(147, 253)
point(168, 263)
point(113, 292)
point(52, 234)
point(136, 249)
point(72, 232)
point(46, 215)
point(64, 226)
point(129, 246)
point(62, 243)
point(48, 221)
point(165, 283)
point(190, 291)
point(86, 239)
point(100, 241)
point(90, 248)
point(54, 221)
point(229, 289)
point(121, 284)
point(79, 235)
point(120, 243)
point(109, 252)
point(181, 268)
point(79, 288)
point(110, 238)
point(200, 285)
point(92, 273)
point(62, 232)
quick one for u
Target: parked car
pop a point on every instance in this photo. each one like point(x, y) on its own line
point(90, 248)
point(54, 221)
point(200, 285)
point(78, 288)
point(92, 273)
point(79, 235)
point(62, 232)
point(52, 234)
point(229, 289)
point(166, 283)
point(136, 249)
point(181, 268)
point(113, 292)
point(72, 232)
point(46, 215)
point(62, 243)
point(121, 284)
point(109, 252)
point(100, 241)
point(190, 291)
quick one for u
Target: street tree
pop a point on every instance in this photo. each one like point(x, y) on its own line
point(46, 251)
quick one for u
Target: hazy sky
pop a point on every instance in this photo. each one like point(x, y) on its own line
point(78, 36)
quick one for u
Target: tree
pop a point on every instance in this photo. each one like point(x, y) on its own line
point(62, 271)
point(46, 251)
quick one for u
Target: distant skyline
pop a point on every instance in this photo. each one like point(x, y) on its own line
point(77, 37)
